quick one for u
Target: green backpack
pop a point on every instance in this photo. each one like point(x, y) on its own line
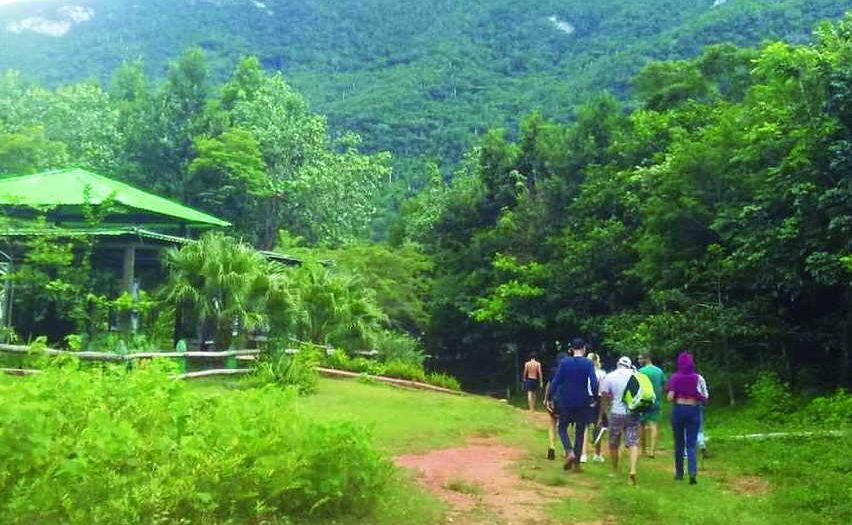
point(639, 395)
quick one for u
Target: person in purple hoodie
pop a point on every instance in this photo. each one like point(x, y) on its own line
point(683, 390)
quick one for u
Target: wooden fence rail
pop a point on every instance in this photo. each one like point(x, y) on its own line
point(109, 356)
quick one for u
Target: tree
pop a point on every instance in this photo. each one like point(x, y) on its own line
point(221, 284)
point(228, 177)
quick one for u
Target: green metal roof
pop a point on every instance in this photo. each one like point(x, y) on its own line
point(140, 233)
point(68, 188)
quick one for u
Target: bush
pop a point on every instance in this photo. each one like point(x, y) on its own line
point(405, 370)
point(770, 397)
point(831, 412)
point(297, 370)
point(396, 368)
point(443, 380)
point(337, 359)
point(115, 447)
point(398, 346)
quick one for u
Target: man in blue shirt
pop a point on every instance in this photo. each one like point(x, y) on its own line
point(573, 384)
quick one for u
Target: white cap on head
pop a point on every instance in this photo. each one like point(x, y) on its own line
point(625, 362)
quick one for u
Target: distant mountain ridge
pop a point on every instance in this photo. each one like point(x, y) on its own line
point(415, 77)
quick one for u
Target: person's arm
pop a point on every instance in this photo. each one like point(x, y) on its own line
point(703, 392)
point(593, 380)
point(605, 400)
point(668, 389)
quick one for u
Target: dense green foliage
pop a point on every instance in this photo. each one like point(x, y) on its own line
point(414, 77)
point(715, 216)
point(114, 447)
point(248, 150)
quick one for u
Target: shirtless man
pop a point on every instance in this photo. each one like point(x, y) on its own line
point(532, 380)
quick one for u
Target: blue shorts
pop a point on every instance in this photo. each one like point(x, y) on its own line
point(531, 385)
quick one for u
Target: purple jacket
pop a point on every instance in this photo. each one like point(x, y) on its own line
point(684, 382)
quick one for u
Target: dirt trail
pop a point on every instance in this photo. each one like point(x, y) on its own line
point(481, 483)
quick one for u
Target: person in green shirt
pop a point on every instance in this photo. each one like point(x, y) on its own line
point(649, 419)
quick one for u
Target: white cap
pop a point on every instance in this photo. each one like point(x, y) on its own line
point(625, 362)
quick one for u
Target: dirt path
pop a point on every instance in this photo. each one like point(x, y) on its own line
point(481, 483)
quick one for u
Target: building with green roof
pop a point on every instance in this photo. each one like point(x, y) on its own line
point(65, 193)
point(132, 229)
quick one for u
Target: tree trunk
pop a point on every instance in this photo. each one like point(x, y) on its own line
point(726, 355)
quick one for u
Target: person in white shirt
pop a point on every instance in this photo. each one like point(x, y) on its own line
point(621, 421)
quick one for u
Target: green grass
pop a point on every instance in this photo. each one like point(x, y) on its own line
point(804, 483)
point(411, 421)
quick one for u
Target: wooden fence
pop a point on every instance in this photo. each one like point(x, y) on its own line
point(110, 357)
point(236, 355)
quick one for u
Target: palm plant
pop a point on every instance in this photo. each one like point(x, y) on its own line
point(337, 309)
point(222, 281)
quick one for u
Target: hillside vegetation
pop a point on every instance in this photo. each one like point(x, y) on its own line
point(413, 77)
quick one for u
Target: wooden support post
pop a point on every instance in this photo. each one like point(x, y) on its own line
point(128, 278)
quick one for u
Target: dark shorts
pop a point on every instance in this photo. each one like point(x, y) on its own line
point(531, 385)
point(650, 416)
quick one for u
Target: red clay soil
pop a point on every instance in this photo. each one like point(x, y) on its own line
point(488, 490)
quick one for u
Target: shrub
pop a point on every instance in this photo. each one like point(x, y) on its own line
point(831, 412)
point(770, 397)
point(109, 446)
point(398, 346)
point(297, 370)
point(443, 380)
point(337, 359)
point(405, 370)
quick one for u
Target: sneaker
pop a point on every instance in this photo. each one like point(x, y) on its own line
point(678, 477)
point(598, 459)
point(551, 454)
point(569, 460)
point(632, 478)
point(692, 480)
point(705, 453)
point(583, 458)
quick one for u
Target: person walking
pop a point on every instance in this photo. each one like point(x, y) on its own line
point(701, 440)
point(532, 380)
point(684, 391)
point(572, 383)
point(597, 419)
point(648, 420)
point(621, 421)
point(552, 410)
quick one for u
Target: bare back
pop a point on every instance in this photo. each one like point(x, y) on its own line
point(532, 370)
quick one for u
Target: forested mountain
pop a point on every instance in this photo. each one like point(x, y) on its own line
point(414, 77)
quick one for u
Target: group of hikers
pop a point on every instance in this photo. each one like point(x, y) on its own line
point(625, 403)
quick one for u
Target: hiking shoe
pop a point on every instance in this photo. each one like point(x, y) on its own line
point(583, 458)
point(551, 454)
point(692, 480)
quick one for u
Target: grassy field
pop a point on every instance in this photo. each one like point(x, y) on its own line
point(763, 483)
